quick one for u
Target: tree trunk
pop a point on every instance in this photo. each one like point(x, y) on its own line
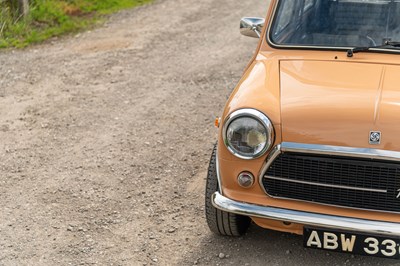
point(19, 7)
point(23, 7)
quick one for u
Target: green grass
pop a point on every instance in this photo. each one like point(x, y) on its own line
point(50, 18)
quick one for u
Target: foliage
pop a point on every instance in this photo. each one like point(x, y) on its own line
point(49, 18)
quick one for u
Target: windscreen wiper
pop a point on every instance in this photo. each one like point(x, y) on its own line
point(354, 50)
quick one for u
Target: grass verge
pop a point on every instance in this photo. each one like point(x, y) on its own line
point(50, 18)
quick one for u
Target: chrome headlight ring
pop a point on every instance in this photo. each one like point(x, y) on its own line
point(259, 117)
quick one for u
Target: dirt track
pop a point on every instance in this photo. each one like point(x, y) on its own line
point(105, 141)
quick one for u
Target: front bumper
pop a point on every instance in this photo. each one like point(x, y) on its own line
point(306, 218)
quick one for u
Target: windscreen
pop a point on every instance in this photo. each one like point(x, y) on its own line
point(336, 23)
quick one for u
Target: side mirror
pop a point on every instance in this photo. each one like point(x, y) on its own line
point(251, 27)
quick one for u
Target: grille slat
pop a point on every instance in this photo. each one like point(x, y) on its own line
point(332, 179)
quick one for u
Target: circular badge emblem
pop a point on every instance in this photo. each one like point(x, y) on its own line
point(375, 137)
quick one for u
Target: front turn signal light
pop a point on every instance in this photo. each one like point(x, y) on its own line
point(217, 122)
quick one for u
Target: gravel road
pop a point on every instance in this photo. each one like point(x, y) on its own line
point(105, 139)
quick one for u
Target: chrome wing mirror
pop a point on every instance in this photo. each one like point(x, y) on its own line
point(251, 27)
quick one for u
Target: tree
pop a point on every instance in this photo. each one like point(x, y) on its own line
point(19, 7)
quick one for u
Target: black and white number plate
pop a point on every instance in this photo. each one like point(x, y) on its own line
point(354, 243)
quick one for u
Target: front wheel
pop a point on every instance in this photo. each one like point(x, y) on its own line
point(221, 222)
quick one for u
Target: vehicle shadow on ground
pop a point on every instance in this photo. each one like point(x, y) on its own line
point(266, 247)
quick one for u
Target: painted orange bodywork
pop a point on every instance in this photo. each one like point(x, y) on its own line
point(298, 90)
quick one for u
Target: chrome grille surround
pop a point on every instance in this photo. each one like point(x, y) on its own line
point(392, 157)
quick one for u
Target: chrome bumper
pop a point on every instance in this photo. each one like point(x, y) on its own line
point(306, 218)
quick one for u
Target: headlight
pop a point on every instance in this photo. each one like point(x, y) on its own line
point(248, 133)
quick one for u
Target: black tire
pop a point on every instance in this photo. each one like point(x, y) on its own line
point(221, 222)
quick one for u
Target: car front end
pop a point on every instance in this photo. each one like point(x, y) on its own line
point(309, 139)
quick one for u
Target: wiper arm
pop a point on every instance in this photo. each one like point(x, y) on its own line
point(354, 50)
point(393, 44)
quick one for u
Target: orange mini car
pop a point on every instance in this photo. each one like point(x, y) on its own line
point(309, 140)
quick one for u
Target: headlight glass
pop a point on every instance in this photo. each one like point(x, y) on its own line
point(248, 134)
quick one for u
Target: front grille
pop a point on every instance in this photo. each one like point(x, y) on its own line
point(339, 181)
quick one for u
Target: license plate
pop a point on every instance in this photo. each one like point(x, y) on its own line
point(354, 243)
